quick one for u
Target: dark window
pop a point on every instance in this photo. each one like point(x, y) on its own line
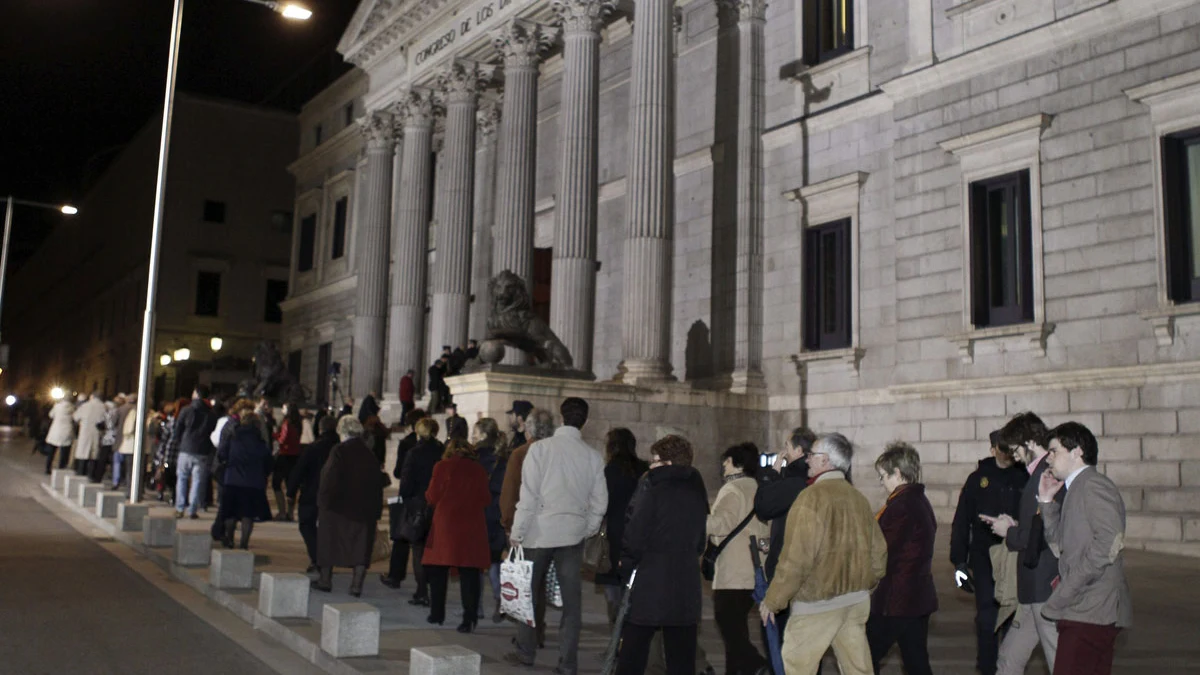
point(543, 260)
point(1001, 251)
point(281, 222)
point(208, 293)
point(214, 212)
point(318, 131)
point(348, 114)
point(827, 286)
point(828, 29)
point(277, 290)
point(308, 241)
point(324, 360)
point(293, 364)
point(1181, 181)
point(339, 228)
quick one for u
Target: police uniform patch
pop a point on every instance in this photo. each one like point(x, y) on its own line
point(983, 482)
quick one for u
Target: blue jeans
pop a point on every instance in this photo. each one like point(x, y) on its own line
point(196, 468)
point(118, 459)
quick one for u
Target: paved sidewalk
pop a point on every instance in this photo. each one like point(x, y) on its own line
point(1166, 601)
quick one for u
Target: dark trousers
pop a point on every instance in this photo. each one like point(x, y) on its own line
point(64, 454)
point(679, 645)
point(96, 473)
point(469, 585)
point(405, 408)
point(1084, 648)
point(987, 641)
point(308, 531)
point(912, 632)
point(732, 610)
point(568, 563)
point(398, 564)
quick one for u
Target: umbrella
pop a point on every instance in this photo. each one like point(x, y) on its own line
point(610, 654)
point(770, 630)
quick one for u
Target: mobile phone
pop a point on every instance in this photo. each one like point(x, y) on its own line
point(768, 459)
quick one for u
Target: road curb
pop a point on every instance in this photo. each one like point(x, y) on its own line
point(302, 646)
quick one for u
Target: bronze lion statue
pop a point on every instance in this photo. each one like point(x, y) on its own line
point(513, 321)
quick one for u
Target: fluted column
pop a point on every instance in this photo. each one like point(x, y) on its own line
point(487, 122)
point(456, 199)
point(372, 256)
point(573, 276)
point(748, 322)
point(650, 195)
point(406, 327)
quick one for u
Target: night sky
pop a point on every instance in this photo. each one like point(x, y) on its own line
point(81, 77)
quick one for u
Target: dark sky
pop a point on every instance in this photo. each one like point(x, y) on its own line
point(81, 77)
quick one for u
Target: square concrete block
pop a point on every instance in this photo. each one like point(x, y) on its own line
point(72, 486)
point(445, 660)
point(350, 629)
point(88, 493)
point(283, 596)
point(231, 569)
point(58, 478)
point(107, 503)
point(192, 548)
point(130, 516)
point(158, 531)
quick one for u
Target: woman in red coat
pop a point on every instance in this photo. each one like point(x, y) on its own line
point(288, 438)
point(458, 494)
point(905, 597)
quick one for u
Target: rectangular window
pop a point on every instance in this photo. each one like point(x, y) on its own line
point(827, 286)
point(214, 211)
point(208, 293)
point(318, 131)
point(1181, 183)
point(339, 228)
point(324, 361)
point(348, 114)
point(277, 290)
point(308, 242)
point(828, 29)
point(293, 363)
point(1001, 251)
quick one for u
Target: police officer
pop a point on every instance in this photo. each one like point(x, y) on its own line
point(992, 489)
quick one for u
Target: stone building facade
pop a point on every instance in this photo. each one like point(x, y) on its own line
point(898, 219)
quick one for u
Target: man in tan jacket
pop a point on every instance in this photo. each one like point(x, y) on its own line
point(833, 555)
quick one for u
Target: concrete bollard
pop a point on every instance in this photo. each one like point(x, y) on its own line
point(350, 629)
point(58, 478)
point(72, 486)
point(192, 548)
point(231, 569)
point(107, 503)
point(158, 531)
point(444, 660)
point(283, 596)
point(87, 495)
point(130, 516)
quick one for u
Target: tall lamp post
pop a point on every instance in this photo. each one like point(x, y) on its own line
point(289, 10)
point(8, 225)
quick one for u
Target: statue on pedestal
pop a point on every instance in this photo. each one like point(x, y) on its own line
point(512, 321)
point(272, 376)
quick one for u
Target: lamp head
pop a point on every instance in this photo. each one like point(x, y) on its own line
point(183, 353)
point(164, 360)
point(57, 393)
point(293, 11)
point(216, 343)
point(69, 210)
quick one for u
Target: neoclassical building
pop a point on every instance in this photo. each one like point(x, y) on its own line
point(898, 219)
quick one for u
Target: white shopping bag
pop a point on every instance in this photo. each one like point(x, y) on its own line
point(516, 587)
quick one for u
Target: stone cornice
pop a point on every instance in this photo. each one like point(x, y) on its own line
point(747, 10)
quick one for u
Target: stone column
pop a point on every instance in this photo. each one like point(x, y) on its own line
point(573, 276)
point(456, 196)
point(650, 195)
point(410, 245)
point(372, 256)
point(748, 323)
point(487, 121)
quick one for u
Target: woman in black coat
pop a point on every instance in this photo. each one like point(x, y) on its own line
point(663, 542)
point(246, 459)
point(622, 470)
point(414, 481)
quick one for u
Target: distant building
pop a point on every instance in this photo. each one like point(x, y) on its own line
point(73, 313)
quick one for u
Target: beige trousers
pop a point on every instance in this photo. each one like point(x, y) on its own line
point(807, 637)
point(1027, 630)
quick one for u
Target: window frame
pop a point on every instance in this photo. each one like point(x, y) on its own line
point(318, 134)
point(200, 273)
point(816, 339)
point(814, 52)
point(307, 224)
point(267, 314)
point(341, 214)
point(1018, 308)
point(1183, 276)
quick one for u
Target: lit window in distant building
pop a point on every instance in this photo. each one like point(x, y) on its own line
point(339, 228)
point(208, 293)
point(277, 290)
point(308, 241)
point(1181, 180)
point(214, 211)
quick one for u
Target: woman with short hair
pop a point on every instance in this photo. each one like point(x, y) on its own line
point(905, 598)
point(414, 481)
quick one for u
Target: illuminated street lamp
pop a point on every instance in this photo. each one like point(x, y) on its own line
point(57, 393)
point(10, 400)
point(183, 353)
point(289, 10)
point(164, 360)
point(216, 343)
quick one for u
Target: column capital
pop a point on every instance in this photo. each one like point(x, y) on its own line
point(376, 127)
point(582, 16)
point(521, 43)
point(461, 80)
point(414, 109)
point(487, 119)
point(747, 10)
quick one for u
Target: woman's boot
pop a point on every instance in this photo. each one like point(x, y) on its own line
point(247, 528)
point(280, 505)
point(230, 528)
point(356, 581)
point(325, 582)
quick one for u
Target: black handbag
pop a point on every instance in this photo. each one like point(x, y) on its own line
point(415, 520)
point(708, 564)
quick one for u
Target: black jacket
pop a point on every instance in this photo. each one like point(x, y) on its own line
point(194, 427)
point(1037, 566)
point(245, 456)
point(437, 374)
point(418, 468)
point(621, 487)
point(989, 490)
point(306, 475)
point(663, 542)
point(369, 408)
point(407, 443)
point(776, 493)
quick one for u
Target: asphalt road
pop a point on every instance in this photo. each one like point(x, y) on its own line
point(68, 606)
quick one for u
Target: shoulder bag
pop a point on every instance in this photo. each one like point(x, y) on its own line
point(708, 564)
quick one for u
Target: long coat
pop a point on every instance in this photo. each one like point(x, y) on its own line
point(350, 501)
point(909, 527)
point(622, 483)
point(62, 432)
point(91, 413)
point(459, 495)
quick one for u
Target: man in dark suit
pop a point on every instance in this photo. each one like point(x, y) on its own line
point(1091, 601)
point(306, 480)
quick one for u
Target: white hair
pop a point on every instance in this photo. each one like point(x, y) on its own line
point(838, 448)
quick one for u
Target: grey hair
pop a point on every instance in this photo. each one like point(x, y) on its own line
point(838, 448)
point(540, 424)
point(349, 427)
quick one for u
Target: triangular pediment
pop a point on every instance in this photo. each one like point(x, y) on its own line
point(370, 15)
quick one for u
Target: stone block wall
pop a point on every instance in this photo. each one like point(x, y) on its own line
point(310, 325)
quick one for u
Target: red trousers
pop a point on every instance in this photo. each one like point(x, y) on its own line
point(1084, 648)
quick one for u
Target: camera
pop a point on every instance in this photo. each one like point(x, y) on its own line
point(767, 460)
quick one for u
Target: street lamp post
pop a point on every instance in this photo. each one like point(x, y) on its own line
point(287, 9)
